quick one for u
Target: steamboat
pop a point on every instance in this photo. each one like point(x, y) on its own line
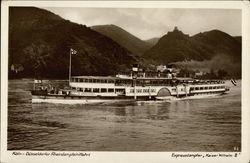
point(138, 86)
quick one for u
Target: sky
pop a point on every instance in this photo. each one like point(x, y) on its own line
point(146, 23)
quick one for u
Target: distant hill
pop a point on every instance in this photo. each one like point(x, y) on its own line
point(124, 38)
point(40, 42)
point(177, 46)
point(152, 41)
point(174, 46)
point(219, 43)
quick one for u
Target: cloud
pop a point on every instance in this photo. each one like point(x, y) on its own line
point(147, 23)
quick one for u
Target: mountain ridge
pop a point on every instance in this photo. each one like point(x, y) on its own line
point(41, 43)
point(152, 41)
point(123, 37)
point(177, 46)
point(214, 45)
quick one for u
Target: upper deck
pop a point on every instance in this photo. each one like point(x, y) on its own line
point(140, 81)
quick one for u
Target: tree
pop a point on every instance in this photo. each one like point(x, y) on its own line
point(37, 55)
point(221, 73)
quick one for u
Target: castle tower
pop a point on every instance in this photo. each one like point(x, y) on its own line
point(176, 28)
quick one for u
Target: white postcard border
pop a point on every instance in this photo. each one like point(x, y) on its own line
point(243, 157)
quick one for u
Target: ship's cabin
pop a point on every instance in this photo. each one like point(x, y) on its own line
point(118, 81)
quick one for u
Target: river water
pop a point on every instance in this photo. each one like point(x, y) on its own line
point(202, 125)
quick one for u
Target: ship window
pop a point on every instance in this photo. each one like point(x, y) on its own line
point(214, 87)
point(182, 89)
point(210, 87)
point(87, 89)
point(139, 90)
point(81, 90)
point(81, 80)
point(145, 90)
point(96, 90)
point(131, 90)
point(201, 88)
point(192, 88)
point(153, 90)
point(73, 88)
point(154, 82)
point(196, 88)
point(173, 89)
point(206, 87)
point(103, 89)
point(110, 81)
point(119, 90)
point(110, 90)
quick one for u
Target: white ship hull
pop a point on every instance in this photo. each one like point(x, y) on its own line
point(74, 101)
point(171, 98)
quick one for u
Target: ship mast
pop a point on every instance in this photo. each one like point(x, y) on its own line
point(70, 64)
point(134, 76)
point(71, 51)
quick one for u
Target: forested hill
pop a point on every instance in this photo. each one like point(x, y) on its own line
point(39, 43)
point(152, 41)
point(211, 50)
point(176, 46)
point(124, 38)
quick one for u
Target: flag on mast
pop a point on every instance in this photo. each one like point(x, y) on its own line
point(72, 51)
point(233, 82)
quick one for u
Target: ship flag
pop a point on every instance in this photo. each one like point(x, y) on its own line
point(233, 82)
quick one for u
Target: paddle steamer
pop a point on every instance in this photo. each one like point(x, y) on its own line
point(96, 89)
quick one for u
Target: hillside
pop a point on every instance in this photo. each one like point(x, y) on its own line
point(172, 47)
point(124, 38)
point(177, 46)
point(219, 43)
point(40, 42)
point(152, 41)
point(238, 38)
